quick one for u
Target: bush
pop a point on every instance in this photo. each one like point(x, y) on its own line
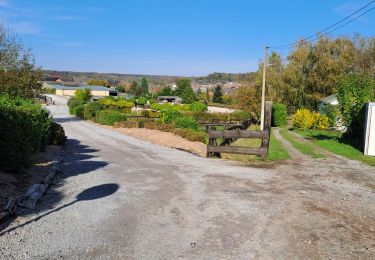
point(191, 135)
point(353, 94)
point(83, 95)
point(145, 113)
point(76, 107)
point(24, 130)
point(279, 115)
point(57, 134)
point(90, 110)
point(239, 115)
point(304, 119)
point(169, 115)
point(186, 122)
point(118, 104)
point(109, 117)
point(331, 112)
point(198, 106)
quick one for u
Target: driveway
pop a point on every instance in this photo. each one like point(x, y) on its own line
point(122, 198)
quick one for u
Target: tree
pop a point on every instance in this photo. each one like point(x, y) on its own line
point(83, 95)
point(98, 82)
point(144, 86)
point(19, 76)
point(182, 84)
point(166, 91)
point(120, 89)
point(188, 96)
point(247, 98)
point(133, 88)
point(218, 95)
point(354, 92)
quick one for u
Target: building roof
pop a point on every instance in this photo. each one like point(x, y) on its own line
point(332, 99)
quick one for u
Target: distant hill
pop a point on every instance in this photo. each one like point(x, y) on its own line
point(158, 80)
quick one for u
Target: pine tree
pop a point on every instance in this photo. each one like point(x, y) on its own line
point(218, 95)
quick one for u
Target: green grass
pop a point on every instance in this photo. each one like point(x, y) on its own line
point(276, 151)
point(303, 147)
point(331, 141)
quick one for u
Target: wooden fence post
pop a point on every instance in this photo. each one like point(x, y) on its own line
point(267, 125)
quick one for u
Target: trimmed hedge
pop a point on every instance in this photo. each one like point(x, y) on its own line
point(279, 115)
point(109, 117)
point(24, 130)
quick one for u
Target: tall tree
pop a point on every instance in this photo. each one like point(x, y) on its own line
point(19, 76)
point(144, 86)
point(218, 95)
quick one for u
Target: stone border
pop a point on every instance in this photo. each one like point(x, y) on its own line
point(17, 205)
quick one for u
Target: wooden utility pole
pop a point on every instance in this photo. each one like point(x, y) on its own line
point(263, 89)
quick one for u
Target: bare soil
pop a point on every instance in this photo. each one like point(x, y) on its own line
point(164, 139)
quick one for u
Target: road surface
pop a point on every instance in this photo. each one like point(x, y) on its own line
point(122, 198)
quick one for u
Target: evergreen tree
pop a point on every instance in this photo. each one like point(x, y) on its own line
point(133, 88)
point(218, 95)
point(144, 86)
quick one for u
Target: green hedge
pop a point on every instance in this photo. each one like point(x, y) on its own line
point(90, 110)
point(279, 115)
point(76, 107)
point(24, 130)
point(186, 122)
point(109, 117)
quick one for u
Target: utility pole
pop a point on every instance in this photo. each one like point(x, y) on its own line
point(263, 89)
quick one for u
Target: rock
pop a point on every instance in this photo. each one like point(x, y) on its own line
point(34, 193)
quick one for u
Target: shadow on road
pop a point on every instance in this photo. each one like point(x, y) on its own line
point(78, 159)
point(66, 119)
point(94, 193)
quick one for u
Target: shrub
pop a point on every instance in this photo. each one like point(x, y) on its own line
point(191, 135)
point(320, 122)
point(145, 113)
point(305, 119)
point(118, 104)
point(198, 106)
point(169, 115)
point(279, 115)
point(186, 122)
point(57, 134)
point(109, 117)
point(331, 112)
point(83, 95)
point(75, 107)
point(90, 110)
point(353, 94)
point(239, 115)
point(24, 130)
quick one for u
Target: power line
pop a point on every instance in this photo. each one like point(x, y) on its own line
point(318, 35)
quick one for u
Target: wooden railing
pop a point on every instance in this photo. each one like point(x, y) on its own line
point(213, 134)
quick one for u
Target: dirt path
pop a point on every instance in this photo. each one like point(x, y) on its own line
point(169, 204)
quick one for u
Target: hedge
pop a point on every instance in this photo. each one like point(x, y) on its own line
point(24, 130)
point(187, 122)
point(279, 115)
point(109, 117)
point(90, 110)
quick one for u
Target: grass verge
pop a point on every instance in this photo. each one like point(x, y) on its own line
point(276, 151)
point(303, 147)
point(331, 141)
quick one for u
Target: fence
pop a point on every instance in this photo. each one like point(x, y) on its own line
point(213, 134)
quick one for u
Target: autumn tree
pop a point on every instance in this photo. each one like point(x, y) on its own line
point(19, 76)
point(98, 82)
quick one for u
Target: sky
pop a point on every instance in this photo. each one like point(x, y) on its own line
point(169, 37)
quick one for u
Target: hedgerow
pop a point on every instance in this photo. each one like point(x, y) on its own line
point(109, 117)
point(24, 130)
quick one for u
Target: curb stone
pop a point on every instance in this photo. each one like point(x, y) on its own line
point(33, 194)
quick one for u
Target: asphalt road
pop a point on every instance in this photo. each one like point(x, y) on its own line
point(122, 198)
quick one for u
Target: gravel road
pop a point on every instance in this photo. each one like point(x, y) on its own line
point(122, 198)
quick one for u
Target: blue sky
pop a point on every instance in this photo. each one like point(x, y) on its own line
point(169, 37)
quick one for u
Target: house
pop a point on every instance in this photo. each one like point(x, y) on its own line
point(331, 100)
point(96, 91)
point(170, 99)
